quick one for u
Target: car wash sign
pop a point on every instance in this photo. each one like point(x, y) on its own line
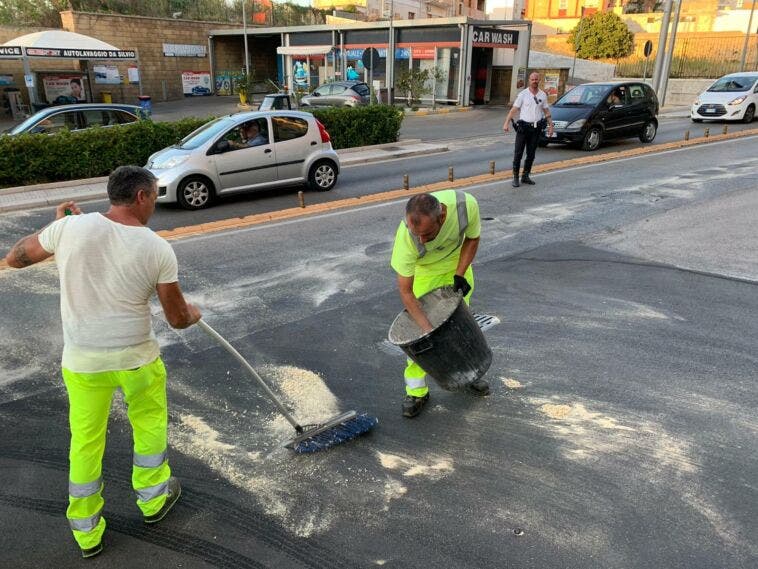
point(67, 53)
point(493, 37)
point(10, 51)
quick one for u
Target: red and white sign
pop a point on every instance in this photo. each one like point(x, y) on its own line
point(196, 83)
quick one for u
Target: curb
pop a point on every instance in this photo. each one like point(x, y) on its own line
point(443, 111)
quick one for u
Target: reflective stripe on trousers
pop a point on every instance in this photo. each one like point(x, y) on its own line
point(415, 376)
point(90, 396)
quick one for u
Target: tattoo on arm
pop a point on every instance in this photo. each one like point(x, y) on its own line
point(22, 257)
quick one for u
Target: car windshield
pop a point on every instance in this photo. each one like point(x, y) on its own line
point(203, 134)
point(583, 95)
point(733, 84)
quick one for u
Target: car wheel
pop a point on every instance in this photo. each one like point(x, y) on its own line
point(592, 139)
point(697, 120)
point(195, 192)
point(749, 114)
point(323, 176)
point(648, 132)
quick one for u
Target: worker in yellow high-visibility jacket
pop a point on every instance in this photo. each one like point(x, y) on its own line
point(110, 265)
point(434, 247)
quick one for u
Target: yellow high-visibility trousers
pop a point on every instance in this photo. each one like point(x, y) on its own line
point(415, 376)
point(90, 396)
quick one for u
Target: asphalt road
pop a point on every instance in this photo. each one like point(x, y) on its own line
point(480, 140)
point(620, 433)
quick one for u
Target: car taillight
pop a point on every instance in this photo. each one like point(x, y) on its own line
point(322, 131)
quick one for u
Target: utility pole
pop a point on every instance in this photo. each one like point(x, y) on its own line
point(747, 38)
point(576, 44)
point(669, 55)
point(660, 54)
point(244, 33)
point(390, 58)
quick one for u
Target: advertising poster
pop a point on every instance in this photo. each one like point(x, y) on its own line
point(521, 78)
point(196, 83)
point(224, 83)
point(61, 89)
point(550, 84)
point(106, 74)
point(133, 74)
point(6, 79)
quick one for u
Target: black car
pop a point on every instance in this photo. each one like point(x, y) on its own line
point(593, 112)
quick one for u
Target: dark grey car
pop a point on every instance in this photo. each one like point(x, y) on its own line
point(338, 94)
point(77, 117)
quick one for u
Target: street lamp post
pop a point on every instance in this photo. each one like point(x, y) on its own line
point(747, 38)
point(244, 33)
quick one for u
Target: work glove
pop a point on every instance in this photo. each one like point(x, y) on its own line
point(460, 284)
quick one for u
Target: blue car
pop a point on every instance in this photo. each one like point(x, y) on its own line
point(78, 117)
point(198, 90)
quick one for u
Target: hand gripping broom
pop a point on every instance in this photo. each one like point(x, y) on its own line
point(308, 438)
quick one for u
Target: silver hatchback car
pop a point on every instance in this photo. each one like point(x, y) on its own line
point(243, 152)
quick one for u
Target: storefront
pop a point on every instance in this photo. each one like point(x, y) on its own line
point(466, 55)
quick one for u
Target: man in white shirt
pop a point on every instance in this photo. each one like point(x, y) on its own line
point(531, 104)
point(109, 266)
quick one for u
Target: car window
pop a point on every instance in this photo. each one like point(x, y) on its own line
point(756, 87)
point(361, 89)
point(246, 136)
point(56, 123)
point(323, 90)
point(337, 89)
point(98, 117)
point(637, 93)
point(732, 84)
point(618, 96)
point(582, 95)
point(289, 128)
point(124, 118)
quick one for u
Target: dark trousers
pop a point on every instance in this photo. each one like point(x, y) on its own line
point(528, 137)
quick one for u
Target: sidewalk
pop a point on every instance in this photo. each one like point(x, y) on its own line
point(40, 195)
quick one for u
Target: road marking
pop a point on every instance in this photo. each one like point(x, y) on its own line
point(337, 207)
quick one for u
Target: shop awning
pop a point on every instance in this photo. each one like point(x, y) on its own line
point(304, 50)
point(60, 44)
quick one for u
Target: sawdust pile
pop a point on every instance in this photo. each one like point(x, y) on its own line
point(431, 467)
point(511, 383)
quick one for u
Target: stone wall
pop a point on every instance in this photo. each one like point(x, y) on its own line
point(161, 75)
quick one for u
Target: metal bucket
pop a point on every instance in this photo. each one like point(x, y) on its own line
point(455, 352)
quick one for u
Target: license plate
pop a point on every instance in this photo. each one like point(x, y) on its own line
point(710, 110)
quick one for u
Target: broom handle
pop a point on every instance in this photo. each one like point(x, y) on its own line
point(229, 348)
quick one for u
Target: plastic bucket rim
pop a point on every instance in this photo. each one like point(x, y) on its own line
point(433, 330)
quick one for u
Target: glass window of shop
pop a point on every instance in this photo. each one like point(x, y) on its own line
point(446, 59)
point(308, 72)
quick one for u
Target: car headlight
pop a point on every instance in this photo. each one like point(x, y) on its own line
point(697, 102)
point(738, 100)
point(168, 163)
point(577, 124)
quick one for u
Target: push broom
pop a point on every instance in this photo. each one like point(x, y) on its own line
point(308, 438)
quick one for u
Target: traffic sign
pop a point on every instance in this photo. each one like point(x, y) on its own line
point(370, 57)
point(648, 48)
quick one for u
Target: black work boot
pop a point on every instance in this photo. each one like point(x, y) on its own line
point(412, 405)
point(478, 387)
point(92, 551)
point(525, 179)
point(515, 183)
point(174, 491)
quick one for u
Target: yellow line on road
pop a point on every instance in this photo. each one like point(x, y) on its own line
point(295, 212)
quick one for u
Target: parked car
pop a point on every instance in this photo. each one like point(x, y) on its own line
point(276, 102)
point(591, 113)
point(242, 152)
point(734, 97)
point(77, 117)
point(338, 94)
point(200, 90)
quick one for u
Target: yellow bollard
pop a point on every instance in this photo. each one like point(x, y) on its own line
point(686, 135)
point(450, 175)
point(725, 129)
point(405, 182)
point(492, 167)
point(301, 198)
point(707, 133)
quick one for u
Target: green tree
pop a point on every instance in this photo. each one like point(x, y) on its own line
point(604, 35)
point(416, 83)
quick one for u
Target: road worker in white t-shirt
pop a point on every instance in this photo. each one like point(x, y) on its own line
point(533, 109)
point(110, 265)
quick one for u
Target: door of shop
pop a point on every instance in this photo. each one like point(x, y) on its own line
point(500, 93)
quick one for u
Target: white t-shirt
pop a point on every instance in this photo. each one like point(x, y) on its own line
point(531, 110)
point(108, 272)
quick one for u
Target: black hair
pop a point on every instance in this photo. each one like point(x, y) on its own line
point(425, 205)
point(125, 181)
point(76, 80)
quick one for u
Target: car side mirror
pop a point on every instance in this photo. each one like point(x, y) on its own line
point(316, 94)
point(222, 146)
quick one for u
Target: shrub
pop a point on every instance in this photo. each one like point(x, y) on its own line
point(361, 126)
point(603, 35)
point(38, 158)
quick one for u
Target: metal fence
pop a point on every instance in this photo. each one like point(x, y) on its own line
point(696, 57)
